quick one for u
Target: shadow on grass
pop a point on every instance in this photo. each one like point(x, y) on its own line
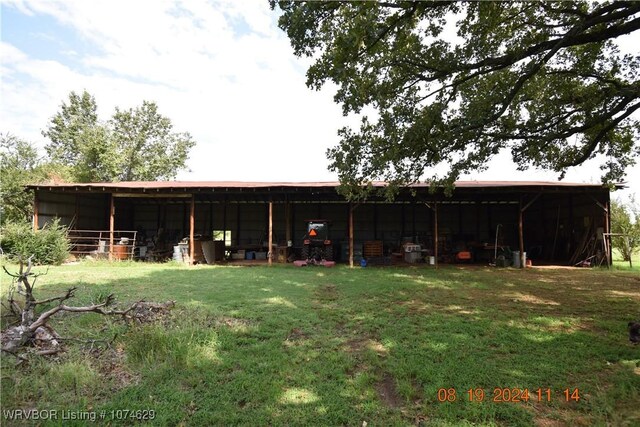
point(336, 346)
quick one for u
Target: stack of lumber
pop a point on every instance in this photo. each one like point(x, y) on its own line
point(590, 250)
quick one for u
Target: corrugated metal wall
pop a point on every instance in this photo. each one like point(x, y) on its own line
point(77, 210)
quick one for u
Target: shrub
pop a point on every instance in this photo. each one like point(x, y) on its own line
point(48, 245)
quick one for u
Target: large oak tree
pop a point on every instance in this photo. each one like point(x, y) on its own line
point(453, 83)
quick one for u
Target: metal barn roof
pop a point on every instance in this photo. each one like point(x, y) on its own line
point(201, 185)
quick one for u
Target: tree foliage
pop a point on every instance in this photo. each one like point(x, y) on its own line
point(453, 83)
point(146, 144)
point(625, 219)
point(67, 129)
point(138, 144)
point(20, 165)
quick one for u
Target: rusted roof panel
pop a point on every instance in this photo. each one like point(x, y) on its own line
point(153, 185)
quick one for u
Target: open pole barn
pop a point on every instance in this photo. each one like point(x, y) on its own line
point(481, 222)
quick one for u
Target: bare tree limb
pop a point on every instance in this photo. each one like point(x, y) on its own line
point(36, 332)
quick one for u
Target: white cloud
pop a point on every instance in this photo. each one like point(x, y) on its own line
point(221, 70)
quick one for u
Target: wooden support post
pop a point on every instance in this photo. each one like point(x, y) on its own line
point(270, 250)
point(521, 210)
point(351, 235)
point(287, 214)
point(435, 232)
point(192, 218)
point(238, 224)
point(211, 220)
point(224, 224)
point(292, 210)
point(607, 218)
point(112, 214)
point(35, 212)
point(521, 234)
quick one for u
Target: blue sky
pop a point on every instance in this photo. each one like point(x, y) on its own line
point(221, 70)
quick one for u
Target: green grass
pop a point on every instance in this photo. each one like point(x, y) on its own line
point(619, 264)
point(318, 346)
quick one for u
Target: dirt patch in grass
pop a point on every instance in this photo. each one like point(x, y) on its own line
point(529, 298)
point(296, 334)
point(358, 345)
point(548, 422)
point(295, 338)
point(548, 416)
point(327, 292)
point(326, 297)
point(232, 322)
point(111, 364)
point(415, 307)
point(387, 392)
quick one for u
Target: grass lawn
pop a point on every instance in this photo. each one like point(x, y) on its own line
point(319, 346)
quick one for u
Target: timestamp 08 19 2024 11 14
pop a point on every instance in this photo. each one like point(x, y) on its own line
point(507, 395)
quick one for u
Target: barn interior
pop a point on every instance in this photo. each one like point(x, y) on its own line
point(481, 222)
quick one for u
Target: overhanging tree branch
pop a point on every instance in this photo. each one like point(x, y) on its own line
point(523, 75)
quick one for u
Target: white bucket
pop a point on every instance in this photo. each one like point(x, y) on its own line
point(516, 259)
point(432, 260)
point(177, 254)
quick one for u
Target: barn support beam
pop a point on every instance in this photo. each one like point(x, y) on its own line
point(270, 250)
point(351, 209)
point(211, 220)
point(607, 244)
point(238, 224)
point(435, 233)
point(35, 211)
point(112, 215)
point(287, 214)
point(521, 209)
point(192, 218)
point(521, 233)
point(292, 212)
point(224, 223)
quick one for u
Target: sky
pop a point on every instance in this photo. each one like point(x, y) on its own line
point(221, 70)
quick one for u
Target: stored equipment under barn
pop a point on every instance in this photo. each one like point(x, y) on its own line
point(552, 222)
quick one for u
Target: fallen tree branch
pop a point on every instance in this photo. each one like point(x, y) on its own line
point(86, 309)
point(30, 332)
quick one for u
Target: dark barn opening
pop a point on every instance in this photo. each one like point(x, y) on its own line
point(553, 223)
